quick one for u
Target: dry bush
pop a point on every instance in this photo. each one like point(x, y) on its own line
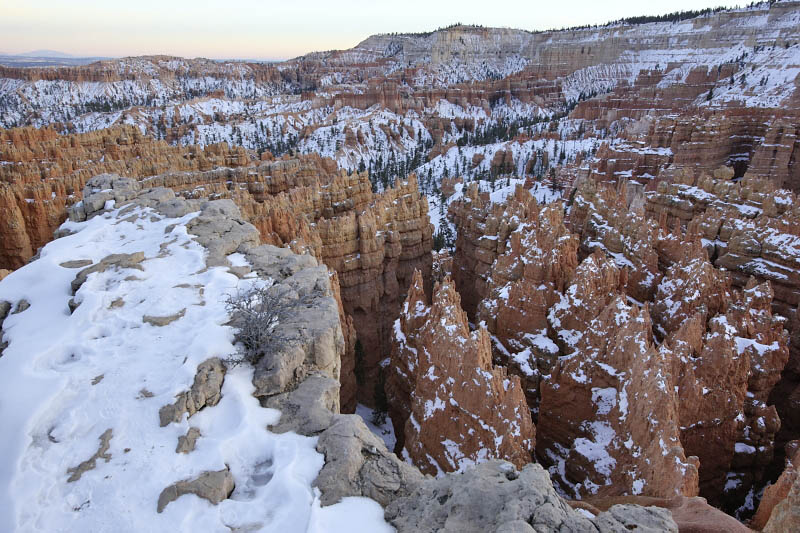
point(257, 313)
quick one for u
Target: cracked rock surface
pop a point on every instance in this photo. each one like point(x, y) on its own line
point(211, 486)
point(204, 392)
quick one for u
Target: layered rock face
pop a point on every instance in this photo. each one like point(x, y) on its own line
point(609, 412)
point(376, 252)
point(43, 173)
point(764, 341)
point(551, 54)
point(645, 314)
point(751, 229)
point(373, 242)
point(484, 229)
point(477, 245)
point(123, 83)
point(756, 142)
point(449, 405)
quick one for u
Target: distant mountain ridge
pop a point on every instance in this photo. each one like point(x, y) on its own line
point(45, 53)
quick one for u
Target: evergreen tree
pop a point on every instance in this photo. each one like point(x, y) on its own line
point(359, 366)
point(381, 408)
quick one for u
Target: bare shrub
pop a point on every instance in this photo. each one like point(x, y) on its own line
point(257, 313)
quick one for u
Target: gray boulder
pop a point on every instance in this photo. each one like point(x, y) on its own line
point(211, 486)
point(310, 332)
point(494, 496)
point(357, 463)
point(221, 230)
point(22, 306)
point(308, 409)
point(623, 518)
point(186, 443)
point(98, 191)
point(277, 263)
point(205, 391)
point(177, 207)
point(155, 197)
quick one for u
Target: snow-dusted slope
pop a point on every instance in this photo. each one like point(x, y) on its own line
point(67, 379)
point(763, 39)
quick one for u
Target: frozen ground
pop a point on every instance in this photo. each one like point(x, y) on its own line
point(65, 379)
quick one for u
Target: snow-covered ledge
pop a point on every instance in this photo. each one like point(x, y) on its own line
point(116, 411)
point(119, 415)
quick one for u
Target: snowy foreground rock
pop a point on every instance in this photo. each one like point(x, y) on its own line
point(118, 413)
point(95, 402)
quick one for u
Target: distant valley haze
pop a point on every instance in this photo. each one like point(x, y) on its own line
point(272, 30)
point(45, 53)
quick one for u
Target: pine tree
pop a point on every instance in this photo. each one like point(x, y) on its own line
point(381, 408)
point(359, 365)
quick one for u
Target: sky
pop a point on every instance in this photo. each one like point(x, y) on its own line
point(269, 29)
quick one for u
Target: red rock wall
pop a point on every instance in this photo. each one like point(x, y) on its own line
point(449, 405)
point(719, 346)
point(373, 242)
point(45, 172)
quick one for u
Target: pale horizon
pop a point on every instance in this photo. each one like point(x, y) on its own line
point(268, 30)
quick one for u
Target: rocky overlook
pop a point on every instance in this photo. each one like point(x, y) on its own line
point(373, 242)
point(301, 379)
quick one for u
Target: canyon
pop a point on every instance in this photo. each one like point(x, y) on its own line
point(562, 267)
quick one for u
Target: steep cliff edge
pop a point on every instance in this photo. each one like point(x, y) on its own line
point(165, 425)
point(137, 350)
point(372, 241)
